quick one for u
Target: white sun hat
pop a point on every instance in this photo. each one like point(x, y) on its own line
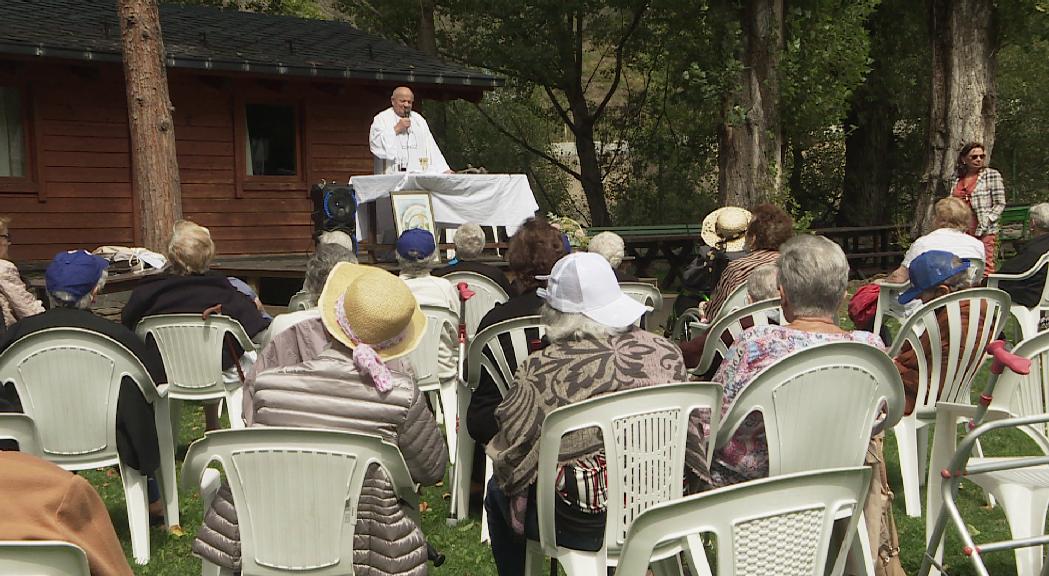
point(584, 283)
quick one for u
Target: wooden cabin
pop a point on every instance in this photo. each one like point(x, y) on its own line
point(265, 106)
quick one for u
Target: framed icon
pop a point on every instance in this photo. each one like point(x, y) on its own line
point(413, 209)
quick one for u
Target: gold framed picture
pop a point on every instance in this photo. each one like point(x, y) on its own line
point(413, 209)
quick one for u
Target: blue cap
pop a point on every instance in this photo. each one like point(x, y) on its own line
point(75, 272)
point(416, 244)
point(929, 270)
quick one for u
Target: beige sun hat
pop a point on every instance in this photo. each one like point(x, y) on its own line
point(728, 225)
point(366, 305)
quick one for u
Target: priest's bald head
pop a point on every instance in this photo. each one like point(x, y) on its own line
point(401, 100)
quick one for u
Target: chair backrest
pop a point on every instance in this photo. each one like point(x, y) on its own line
point(737, 299)
point(488, 350)
point(644, 432)
point(644, 293)
point(889, 297)
point(486, 295)
point(68, 380)
point(1027, 395)
point(191, 348)
point(20, 428)
point(993, 279)
point(819, 405)
point(728, 327)
point(299, 301)
point(297, 492)
point(956, 368)
point(424, 359)
point(779, 525)
point(42, 558)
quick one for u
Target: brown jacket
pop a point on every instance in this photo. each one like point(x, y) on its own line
point(45, 502)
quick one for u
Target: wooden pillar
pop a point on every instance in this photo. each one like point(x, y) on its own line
point(155, 178)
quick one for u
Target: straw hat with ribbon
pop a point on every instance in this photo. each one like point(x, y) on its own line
point(728, 225)
point(373, 313)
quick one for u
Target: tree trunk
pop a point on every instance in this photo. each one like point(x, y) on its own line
point(962, 103)
point(427, 29)
point(155, 178)
point(749, 138)
point(868, 161)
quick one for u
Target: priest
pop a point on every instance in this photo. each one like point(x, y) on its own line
point(401, 141)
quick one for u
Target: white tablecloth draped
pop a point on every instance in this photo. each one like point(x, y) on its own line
point(486, 199)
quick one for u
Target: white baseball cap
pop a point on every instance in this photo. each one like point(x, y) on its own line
point(584, 283)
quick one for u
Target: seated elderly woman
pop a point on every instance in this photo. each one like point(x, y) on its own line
point(594, 349)
point(532, 253)
point(359, 385)
point(469, 243)
point(611, 246)
point(189, 287)
point(15, 301)
point(769, 227)
point(951, 218)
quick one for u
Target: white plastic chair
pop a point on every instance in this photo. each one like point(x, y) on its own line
point(644, 432)
point(20, 428)
point(736, 300)
point(1022, 493)
point(780, 526)
point(424, 361)
point(299, 301)
point(487, 354)
point(1028, 318)
point(728, 327)
point(486, 295)
point(191, 348)
point(820, 406)
point(964, 357)
point(646, 294)
point(297, 492)
point(889, 297)
point(68, 381)
point(42, 558)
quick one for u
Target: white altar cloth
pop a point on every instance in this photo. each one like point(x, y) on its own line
point(486, 199)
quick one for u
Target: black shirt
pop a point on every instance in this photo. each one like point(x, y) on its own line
point(1026, 292)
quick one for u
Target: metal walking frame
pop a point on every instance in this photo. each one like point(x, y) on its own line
point(959, 468)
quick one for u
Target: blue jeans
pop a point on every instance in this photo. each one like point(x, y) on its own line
point(508, 549)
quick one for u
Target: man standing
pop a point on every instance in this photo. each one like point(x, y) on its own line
point(401, 141)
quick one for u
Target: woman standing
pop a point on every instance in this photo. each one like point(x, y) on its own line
point(15, 301)
point(983, 189)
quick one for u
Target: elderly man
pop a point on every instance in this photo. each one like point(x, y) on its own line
point(401, 141)
point(73, 279)
point(469, 243)
point(1029, 292)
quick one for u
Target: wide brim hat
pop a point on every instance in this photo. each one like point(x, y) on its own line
point(376, 307)
point(733, 230)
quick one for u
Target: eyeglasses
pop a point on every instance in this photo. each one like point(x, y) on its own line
point(977, 156)
point(6, 237)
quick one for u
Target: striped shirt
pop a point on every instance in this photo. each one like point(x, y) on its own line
point(734, 276)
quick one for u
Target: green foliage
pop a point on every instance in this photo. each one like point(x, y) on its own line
point(300, 8)
point(1021, 152)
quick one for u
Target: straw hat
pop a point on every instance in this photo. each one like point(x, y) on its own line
point(728, 225)
point(375, 306)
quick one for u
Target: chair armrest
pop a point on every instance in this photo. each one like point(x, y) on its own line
point(210, 482)
point(891, 285)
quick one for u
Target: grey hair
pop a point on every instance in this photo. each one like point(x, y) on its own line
point(319, 266)
point(336, 237)
point(562, 326)
point(610, 245)
point(415, 268)
point(469, 241)
point(1040, 216)
point(763, 283)
point(63, 299)
point(814, 274)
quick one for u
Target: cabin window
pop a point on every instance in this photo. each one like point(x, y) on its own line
point(12, 134)
point(271, 143)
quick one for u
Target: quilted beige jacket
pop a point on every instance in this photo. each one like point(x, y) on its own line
point(327, 392)
point(15, 301)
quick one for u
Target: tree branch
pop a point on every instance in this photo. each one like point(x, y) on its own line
point(524, 144)
point(560, 109)
point(619, 60)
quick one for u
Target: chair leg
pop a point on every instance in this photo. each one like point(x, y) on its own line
point(921, 434)
point(166, 478)
point(235, 407)
point(696, 556)
point(209, 569)
point(668, 567)
point(484, 513)
point(906, 443)
point(450, 410)
point(1025, 509)
point(464, 461)
point(535, 560)
point(576, 563)
point(136, 498)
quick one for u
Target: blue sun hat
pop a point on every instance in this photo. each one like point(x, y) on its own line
point(929, 270)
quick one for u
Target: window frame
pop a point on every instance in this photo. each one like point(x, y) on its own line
point(28, 183)
point(250, 182)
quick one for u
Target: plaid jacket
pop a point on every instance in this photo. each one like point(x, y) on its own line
point(988, 200)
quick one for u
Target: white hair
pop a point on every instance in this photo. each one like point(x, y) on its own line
point(1039, 215)
point(814, 274)
point(469, 241)
point(63, 299)
point(561, 326)
point(610, 245)
point(762, 283)
point(336, 237)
